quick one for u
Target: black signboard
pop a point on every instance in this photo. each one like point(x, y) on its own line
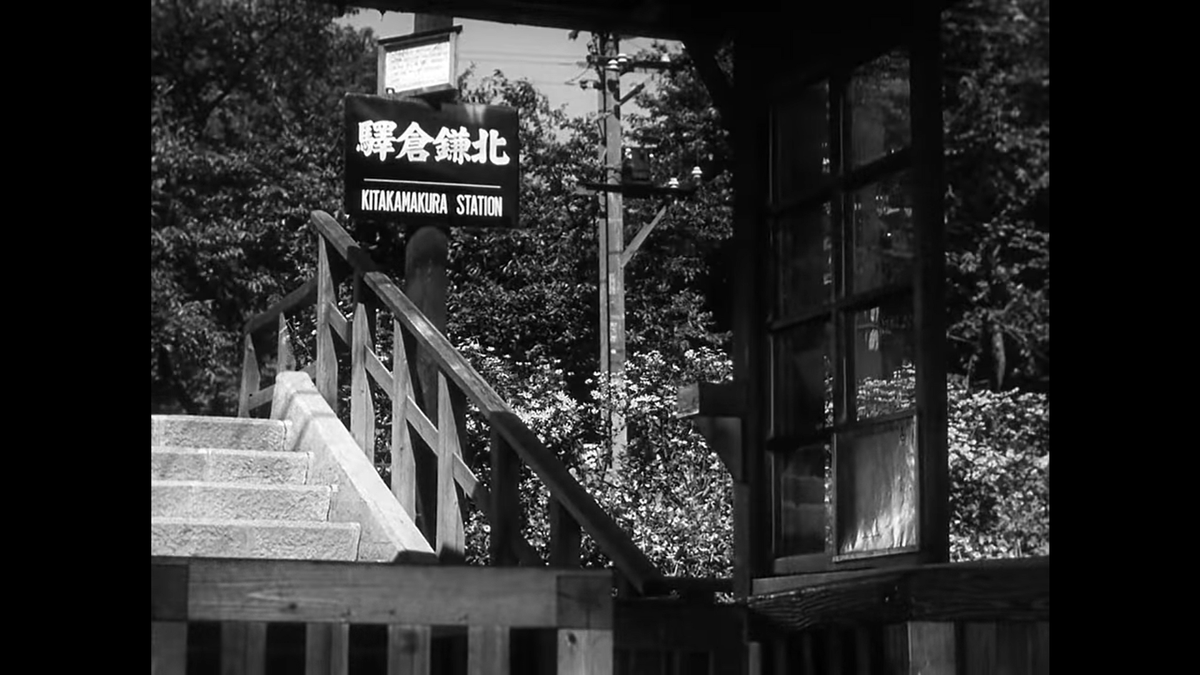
point(457, 164)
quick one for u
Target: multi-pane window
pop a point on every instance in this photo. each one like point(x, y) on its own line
point(841, 329)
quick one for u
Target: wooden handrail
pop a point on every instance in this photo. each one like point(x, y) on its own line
point(614, 541)
point(572, 508)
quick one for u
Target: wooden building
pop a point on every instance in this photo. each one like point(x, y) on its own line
point(841, 514)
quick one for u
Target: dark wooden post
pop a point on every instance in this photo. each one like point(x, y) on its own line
point(929, 310)
point(250, 376)
point(425, 256)
point(506, 504)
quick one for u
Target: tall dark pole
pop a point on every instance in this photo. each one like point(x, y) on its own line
point(425, 255)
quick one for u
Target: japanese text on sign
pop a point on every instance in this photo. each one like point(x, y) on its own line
point(376, 138)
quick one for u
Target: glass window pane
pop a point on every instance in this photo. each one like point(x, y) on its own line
point(803, 260)
point(876, 487)
point(884, 357)
point(883, 233)
point(878, 94)
point(804, 515)
point(802, 379)
point(800, 143)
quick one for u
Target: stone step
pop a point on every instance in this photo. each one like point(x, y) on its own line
point(229, 466)
point(227, 433)
point(247, 501)
point(278, 539)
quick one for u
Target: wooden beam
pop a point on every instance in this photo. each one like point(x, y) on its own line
point(505, 516)
point(703, 51)
point(640, 237)
point(302, 297)
point(1017, 590)
point(304, 591)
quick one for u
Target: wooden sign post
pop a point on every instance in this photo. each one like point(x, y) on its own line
point(417, 158)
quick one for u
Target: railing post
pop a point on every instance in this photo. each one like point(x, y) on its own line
point(506, 503)
point(285, 357)
point(327, 649)
point(362, 340)
point(250, 376)
point(565, 536)
point(404, 461)
point(488, 650)
point(326, 362)
point(408, 650)
point(921, 648)
point(450, 537)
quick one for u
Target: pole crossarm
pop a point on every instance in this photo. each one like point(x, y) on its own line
point(640, 237)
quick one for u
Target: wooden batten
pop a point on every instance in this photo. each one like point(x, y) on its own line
point(362, 405)
point(451, 541)
point(404, 465)
point(505, 516)
point(286, 357)
point(250, 376)
point(325, 378)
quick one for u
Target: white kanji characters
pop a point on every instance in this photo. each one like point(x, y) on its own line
point(452, 145)
point(487, 145)
point(497, 142)
point(376, 137)
point(414, 139)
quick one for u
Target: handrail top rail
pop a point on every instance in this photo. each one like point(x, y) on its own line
point(626, 555)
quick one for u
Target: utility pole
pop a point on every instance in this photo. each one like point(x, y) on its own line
point(612, 243)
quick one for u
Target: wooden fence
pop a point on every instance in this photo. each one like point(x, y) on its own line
point(427, 464)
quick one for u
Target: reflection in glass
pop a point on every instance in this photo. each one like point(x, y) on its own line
point(876, 488)
point(884, 354)
point(883, 233)
point(803, 258)
point(800, 143)
point(804, 514)
point(878, 95)
point(802, 368)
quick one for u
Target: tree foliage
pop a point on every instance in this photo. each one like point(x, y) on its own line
point(245, 121)
point(246, 142)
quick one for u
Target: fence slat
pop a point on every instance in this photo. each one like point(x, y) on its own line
point(585, 652)
point(250, 376)
point(408, 649)
point(327, 649)
point(243, 647)
point(488, 650)
point(362, 405)
point(450, 537)
point(326, 361)
point(168, 647)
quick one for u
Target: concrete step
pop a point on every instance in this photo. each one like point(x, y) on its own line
point(228, 433)
point(229, 466)
point(247, 501)
point(219, 538)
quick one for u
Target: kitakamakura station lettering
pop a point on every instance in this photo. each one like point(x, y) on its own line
point(400, 201)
